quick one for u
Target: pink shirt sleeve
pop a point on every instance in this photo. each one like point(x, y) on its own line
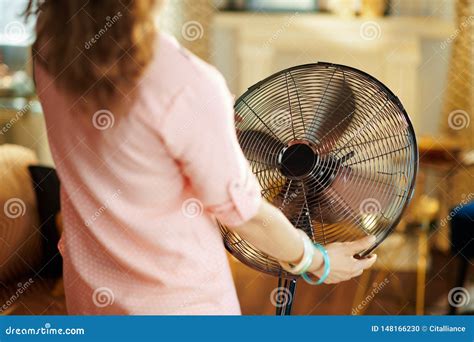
point(198, 130)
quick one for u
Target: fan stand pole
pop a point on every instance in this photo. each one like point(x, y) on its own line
point(286, 291)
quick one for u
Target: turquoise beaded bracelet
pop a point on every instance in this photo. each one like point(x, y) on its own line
point(327, 267)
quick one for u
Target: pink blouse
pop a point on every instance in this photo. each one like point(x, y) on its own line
point(140, 192)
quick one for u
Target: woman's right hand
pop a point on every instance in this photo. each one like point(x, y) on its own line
point(343, 265)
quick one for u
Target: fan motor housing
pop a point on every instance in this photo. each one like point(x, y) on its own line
point(297, 160)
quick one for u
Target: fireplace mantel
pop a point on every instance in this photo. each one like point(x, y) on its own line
point(247, 47)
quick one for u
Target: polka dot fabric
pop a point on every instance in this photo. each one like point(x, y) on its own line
point(142, 188)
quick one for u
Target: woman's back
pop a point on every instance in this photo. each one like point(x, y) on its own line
point(135, 179)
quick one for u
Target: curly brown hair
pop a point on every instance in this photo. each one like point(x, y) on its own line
point(94, 49)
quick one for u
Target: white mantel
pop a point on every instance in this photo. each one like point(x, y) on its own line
point(403, 52)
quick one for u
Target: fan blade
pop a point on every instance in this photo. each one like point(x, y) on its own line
point(260, 147)
point(272, 183)
point(357, 197)
point(333, 114)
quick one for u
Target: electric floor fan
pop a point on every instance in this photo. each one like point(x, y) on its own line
point(334, 149)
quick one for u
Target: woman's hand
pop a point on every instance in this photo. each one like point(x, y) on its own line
point(343, 265)
point(271, 232)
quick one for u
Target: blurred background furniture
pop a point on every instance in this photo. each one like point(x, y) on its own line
point(462, 239)
point(20, 237)
point(427, 211)
point(30, 272)
point(456, 122)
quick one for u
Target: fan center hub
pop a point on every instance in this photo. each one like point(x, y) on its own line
point(297, 160)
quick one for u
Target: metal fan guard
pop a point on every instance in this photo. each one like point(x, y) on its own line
point(243, 250)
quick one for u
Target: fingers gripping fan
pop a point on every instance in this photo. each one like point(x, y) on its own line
point(334, 149)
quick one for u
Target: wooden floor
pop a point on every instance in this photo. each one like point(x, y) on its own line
point(396, 297)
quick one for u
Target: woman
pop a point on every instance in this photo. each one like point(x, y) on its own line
point(143, 139)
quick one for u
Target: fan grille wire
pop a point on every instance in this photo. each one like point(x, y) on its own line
point(371, 153)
